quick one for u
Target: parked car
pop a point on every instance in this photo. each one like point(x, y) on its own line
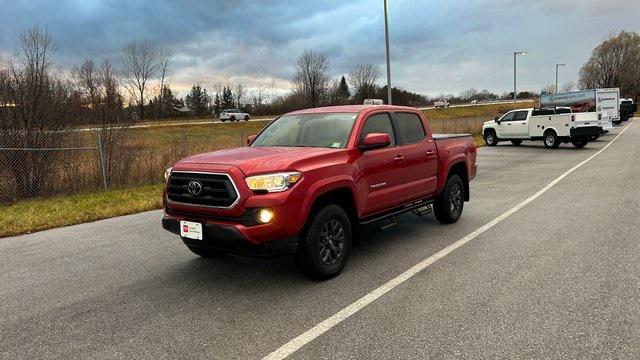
point(475, 101)
point(233, 115)
point(553, 125)
point(441, 104)
point(309, 179)
point(373, 102)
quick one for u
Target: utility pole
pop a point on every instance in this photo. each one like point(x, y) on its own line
point(557, 76)
point(386, 39)
point(516, 53)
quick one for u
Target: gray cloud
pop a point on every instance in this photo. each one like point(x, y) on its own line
point(437, 47)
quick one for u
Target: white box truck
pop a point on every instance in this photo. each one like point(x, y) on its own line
point(604, 101)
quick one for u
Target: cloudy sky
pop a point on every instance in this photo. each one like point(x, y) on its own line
point(437, 47)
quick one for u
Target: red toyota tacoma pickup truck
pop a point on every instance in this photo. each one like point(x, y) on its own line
point(309, 179)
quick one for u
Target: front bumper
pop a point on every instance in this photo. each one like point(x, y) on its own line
point(232, 239)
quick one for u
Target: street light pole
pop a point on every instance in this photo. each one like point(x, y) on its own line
point(386, 39)
point(515, 53)
point(557, 76)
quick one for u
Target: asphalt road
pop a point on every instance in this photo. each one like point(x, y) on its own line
point(558, 278)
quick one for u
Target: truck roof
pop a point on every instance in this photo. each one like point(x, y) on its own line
point(348, 109)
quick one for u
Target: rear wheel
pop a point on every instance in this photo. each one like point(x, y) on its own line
point(579, 142)
point(490, 138)
point(551, 140)
point(246, 118)
point(206, 253)
point(324, 249)
point(448, 206)
point(516, 142)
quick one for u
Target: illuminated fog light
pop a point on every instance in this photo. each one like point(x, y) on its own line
point(265, 215)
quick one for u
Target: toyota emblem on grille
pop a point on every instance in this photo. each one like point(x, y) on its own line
point(194, 188)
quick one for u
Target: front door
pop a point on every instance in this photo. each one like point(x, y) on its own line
point(381, 168)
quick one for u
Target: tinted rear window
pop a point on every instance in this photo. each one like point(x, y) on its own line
point(410, 128)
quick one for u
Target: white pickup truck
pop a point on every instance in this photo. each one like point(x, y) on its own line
point(441, 104)
point(233, 115)
point(553, 125)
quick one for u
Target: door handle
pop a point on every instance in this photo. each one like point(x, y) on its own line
point(398, 158)
point(430, 152)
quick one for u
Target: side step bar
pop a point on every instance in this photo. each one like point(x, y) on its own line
point(388, 219)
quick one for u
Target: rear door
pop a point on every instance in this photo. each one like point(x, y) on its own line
point(381, 168)
point(420, 163)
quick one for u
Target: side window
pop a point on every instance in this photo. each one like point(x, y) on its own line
point(508, 117)
point(521, 115)
point(410, 129)
point(379, 123)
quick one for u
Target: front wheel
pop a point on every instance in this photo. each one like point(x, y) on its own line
point(448, 206)
point(246, 118)
point(324, 249)
point(490, 138)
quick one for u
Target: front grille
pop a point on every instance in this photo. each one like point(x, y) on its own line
point(216, 190)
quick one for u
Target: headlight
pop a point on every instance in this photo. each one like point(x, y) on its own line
point(273, 182)
point(167, 173)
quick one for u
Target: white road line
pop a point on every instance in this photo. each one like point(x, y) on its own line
point(311, 334)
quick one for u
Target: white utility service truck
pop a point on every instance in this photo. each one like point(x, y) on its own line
point(604, 101)
point(553, 125)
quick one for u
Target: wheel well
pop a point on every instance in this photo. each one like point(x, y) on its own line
point(490, 130)
point(460, 169)
point(342, 197)
point(550, 130)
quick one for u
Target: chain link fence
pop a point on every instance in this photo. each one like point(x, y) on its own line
point(46, 164)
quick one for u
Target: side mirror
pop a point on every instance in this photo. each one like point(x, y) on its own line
point(250, 139)
point(375, 141)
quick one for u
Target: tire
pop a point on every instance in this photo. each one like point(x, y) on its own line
point(233, 118)
point(206, 253)
point(579, 142)
point(223, 120)
point(490, 138)
point(516, 142)
point(448, 206)
point(551, 140)
point(324, 247)
point(246, 118)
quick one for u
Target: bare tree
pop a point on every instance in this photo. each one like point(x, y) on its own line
point(468, 94)
point(614, 63)
point(165, 55)
point(311, 80)
point(363, 79)
point(239, 94)
point(568, 86)
point(141, 64)
point(548, 89)
point(40, 103)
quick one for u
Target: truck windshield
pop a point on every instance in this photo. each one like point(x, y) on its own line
point(313, 130)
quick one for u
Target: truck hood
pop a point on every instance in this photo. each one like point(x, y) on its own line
point(253, 160)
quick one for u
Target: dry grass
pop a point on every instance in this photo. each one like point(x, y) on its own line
point(40, 214)
point(473, 111)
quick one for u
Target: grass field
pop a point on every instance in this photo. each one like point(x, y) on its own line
point(35, 215)
point(147, 151)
